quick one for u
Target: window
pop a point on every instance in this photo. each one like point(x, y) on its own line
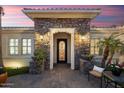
point(94, 47)
point(26, 46)
point(13, 46)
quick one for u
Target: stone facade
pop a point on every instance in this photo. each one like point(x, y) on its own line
point(43, 25)
point(81, 25)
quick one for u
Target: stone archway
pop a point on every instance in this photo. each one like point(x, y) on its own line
point(70, 31)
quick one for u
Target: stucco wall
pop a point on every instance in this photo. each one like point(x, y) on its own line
point(23, 60)
point(16, 60)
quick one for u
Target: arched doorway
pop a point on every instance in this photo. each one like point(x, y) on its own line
point(62, 46)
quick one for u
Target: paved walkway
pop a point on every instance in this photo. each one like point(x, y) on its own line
point(60, 77)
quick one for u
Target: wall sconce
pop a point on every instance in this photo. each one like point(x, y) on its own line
point(83, 37)
point(41, 37)
point(44, 39)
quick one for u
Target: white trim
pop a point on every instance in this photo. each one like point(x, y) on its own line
point(18, 28)
point(72, 51)
point(66, 30)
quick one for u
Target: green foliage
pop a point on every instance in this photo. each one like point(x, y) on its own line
point(40, 54)
point(16, 71)
point(87, 57)
point(90, 57)
point(116, 70)
point(112, 67)
point(113, 44)
point(106, 41)
point(116, 45)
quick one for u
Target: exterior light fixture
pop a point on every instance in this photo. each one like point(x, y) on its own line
point(41, 37)
point(83, 37)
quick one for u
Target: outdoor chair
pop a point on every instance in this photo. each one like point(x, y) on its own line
point(97, 74)
point(96, 71)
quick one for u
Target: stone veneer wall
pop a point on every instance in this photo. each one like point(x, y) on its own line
point(81, 47)
point(82, 26)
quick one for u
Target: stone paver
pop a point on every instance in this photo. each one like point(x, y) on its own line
point(60, 77)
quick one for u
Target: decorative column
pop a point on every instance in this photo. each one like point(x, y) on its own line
point(72, 52)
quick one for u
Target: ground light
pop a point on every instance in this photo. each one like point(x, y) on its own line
point(14, 65)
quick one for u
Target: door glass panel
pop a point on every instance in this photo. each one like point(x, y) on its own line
point(62, 51)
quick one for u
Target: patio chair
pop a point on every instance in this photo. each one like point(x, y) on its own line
point(97, 70)
point(96, 73)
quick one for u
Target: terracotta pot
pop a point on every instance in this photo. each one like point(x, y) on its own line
point(3, 77)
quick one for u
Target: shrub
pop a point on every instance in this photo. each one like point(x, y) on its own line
point(40, 54)
point(16, 71)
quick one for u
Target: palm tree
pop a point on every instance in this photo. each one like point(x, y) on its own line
point(106, 45)
point(1, 61)
point(110, 45)
point(115, 46)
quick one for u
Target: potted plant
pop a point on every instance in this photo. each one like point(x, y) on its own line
point(115, 69)
point(38, 60)
point(3, 76)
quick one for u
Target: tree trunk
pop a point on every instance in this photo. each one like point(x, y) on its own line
point(110, 59)
point(105, 56)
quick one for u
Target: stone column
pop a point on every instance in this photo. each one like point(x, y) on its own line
point(77, 51)
point(42, 27)
point(51, 50)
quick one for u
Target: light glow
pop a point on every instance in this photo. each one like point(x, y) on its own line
point(17, 63)
point(41, 37)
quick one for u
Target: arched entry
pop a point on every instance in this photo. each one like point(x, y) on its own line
point(62, 48)
point(61, 34)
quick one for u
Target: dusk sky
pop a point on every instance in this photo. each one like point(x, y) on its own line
point(110, 15)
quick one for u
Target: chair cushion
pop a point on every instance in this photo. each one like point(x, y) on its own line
point(99, 69)
point(95, 73)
